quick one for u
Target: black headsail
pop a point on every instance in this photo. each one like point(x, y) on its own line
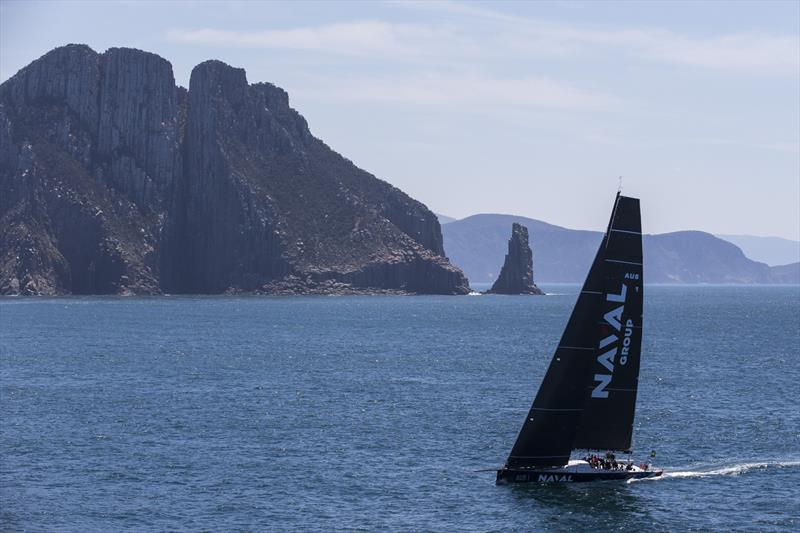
point(563, 410)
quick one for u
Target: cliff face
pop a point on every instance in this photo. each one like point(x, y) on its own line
point(115, 180)
point(80, 210)
point(516, 276)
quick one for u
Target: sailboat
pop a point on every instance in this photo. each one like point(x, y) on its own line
point(587, 399)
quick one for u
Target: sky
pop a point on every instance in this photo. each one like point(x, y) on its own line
point(533, 109)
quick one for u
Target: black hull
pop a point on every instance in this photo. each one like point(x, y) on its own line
point(507, 476)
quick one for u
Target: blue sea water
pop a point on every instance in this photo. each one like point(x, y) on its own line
point(369, 413)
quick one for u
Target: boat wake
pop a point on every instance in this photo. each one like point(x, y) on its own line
point(732, 470)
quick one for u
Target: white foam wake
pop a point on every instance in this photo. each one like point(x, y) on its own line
point(731, 470)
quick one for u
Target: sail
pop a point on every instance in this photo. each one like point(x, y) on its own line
point(557, 418)
point(607, 419)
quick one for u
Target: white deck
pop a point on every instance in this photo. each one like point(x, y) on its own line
point(581, 466)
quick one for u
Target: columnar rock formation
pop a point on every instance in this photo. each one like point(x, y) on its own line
point(516, 276)
point(115, 180)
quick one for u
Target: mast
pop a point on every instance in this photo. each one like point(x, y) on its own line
point(558, 417)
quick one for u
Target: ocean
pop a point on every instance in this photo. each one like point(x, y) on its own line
point(377, 413)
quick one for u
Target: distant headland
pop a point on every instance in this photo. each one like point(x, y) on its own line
point(561, 255)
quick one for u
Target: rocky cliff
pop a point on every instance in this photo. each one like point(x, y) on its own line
point(516, 276)
point(114, 180)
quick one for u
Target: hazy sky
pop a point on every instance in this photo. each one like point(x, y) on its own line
point(525, 108)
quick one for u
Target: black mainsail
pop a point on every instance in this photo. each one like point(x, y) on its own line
point(588, 395)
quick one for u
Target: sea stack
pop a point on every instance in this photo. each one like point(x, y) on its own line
point(516, 276)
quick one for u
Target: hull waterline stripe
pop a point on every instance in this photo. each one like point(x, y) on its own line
point(623, 262)
point(591, 292)
point(626, 231)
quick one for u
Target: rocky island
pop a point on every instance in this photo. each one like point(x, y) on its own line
point(114, 180)
point(516, 276)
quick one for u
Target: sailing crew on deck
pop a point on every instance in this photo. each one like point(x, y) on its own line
point(611, 460)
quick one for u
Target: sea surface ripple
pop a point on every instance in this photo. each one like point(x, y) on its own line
point(370, 413)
